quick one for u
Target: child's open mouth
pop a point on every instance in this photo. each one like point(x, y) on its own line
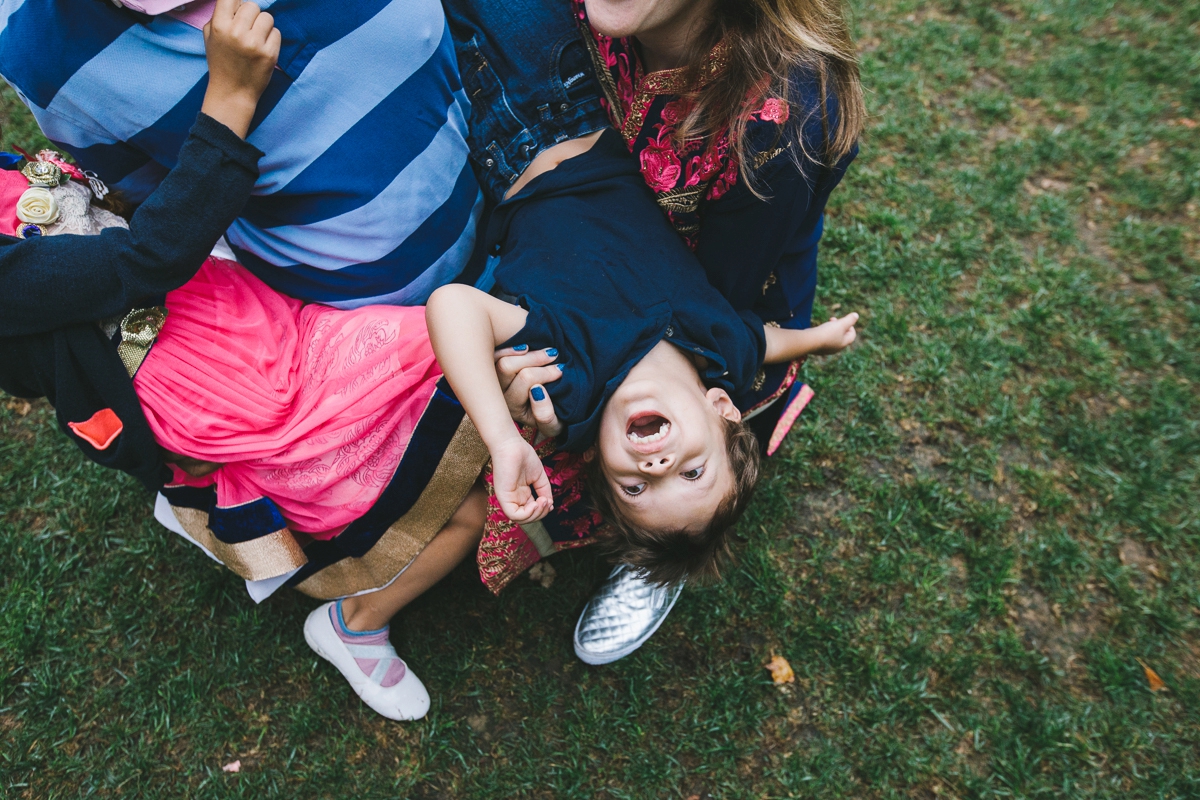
point(647, 429)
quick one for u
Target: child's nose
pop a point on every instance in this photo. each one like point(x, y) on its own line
point(657, 465)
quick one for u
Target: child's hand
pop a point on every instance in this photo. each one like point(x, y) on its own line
point(242, 45)
point(517, 473)
point(835, 335)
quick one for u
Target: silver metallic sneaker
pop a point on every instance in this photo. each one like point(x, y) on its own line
point(621, 616)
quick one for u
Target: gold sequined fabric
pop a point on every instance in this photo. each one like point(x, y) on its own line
point(257, 559)
point(139, 329)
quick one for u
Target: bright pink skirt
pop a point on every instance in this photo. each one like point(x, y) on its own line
point(307, 405)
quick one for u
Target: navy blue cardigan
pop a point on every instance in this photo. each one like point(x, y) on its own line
point(56, 287)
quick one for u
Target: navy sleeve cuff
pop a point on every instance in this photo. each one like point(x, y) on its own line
point(222, 138)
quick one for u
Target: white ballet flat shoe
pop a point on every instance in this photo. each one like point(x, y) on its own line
point(407, 700)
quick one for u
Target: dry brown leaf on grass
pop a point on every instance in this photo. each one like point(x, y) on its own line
point(22, 407)
point(543, 573)
point(1156, 683)
point(781, 670)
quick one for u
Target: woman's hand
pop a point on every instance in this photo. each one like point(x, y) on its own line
point(517, 475)
point(523, 375)
point(242, 45)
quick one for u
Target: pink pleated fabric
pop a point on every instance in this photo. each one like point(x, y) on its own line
point(307, 405)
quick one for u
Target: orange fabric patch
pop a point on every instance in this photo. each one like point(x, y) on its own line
point(101, 430)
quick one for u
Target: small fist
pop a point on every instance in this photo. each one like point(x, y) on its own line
point(520, 481)
point(242, 45)
point(837, 334)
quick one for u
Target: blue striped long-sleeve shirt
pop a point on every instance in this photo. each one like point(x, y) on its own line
point(365, 194)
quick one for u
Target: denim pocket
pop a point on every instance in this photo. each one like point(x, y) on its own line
point(491, 115)
point(575, 72)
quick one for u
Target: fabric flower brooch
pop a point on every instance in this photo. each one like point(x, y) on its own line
point(37, 207)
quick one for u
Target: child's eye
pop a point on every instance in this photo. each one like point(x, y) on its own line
point(634, 491)
point(693, 474)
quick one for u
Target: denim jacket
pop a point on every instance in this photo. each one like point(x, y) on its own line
point(529, 79)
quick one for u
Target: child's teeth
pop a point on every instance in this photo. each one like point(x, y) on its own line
point(654, 437)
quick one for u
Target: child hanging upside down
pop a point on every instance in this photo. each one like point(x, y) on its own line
point(323, 448)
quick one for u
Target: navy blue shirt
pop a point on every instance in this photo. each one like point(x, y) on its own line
point(587, 252)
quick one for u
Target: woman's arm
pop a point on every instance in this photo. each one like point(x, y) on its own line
point(465, 327)
point(761, 253)
point(53, 281)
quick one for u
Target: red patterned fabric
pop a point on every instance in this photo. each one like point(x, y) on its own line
point(506, 550)
point(647, 108)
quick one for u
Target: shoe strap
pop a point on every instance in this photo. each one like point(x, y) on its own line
point(372, 651)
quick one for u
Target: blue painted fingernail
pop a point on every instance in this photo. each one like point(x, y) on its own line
point(561, 367)
point(552, 352)
point(539, 394)
point(521, 348)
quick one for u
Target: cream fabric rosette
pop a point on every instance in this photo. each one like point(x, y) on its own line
point(37, 206)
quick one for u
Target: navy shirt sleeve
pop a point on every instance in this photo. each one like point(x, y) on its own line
point(761, 253)
point(53, 281)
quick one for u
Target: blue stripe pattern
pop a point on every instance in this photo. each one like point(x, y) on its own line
point(366, 194)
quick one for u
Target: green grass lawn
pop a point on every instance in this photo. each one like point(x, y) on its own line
point(987, 521)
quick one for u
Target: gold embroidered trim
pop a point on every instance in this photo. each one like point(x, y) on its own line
point(680, 200)
point(279, 553)
point(403, 541)
point(607, 84)
point(788, 379)
point(258, 559)
point(139, 330)
point(667, 81)
point(766, 156)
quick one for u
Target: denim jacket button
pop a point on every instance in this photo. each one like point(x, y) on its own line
point(563, 107)
point(489, 163)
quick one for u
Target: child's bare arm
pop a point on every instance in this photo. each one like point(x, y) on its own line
point(242, 46)
point(465, 326)
point(785, 345)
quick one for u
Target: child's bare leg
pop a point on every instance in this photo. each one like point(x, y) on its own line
point(453, 543)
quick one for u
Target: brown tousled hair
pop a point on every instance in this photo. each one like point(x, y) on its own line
point(773, 38)
point(669, 556)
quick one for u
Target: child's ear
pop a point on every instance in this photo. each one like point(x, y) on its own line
point(723, 404)
point(589, 455)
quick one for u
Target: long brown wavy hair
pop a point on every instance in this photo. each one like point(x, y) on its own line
point(769, 42)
